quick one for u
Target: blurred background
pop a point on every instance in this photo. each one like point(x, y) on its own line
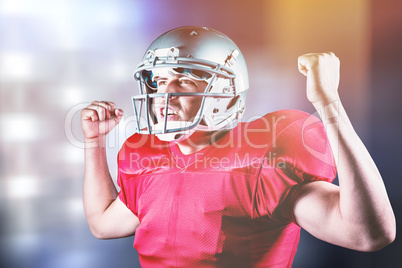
point(57, 56)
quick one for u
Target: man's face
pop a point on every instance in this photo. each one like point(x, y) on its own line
point(182, 108)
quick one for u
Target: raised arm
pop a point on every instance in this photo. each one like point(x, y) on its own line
point(106, 215)
point(357, 214)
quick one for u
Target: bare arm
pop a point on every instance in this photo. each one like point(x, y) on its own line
point(357, 214)
point(106, 215)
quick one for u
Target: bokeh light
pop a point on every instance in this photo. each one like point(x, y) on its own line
point(58, 56)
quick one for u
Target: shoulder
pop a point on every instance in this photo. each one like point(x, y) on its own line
point(292, 127)
point(143, 145)
point(301, 139)
point(296, 124)
point(280, 117)
point(273, 124)
point(285, 118)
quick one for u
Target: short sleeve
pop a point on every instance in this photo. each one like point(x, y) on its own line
point(305, 150)
point(305, 146)
point(300, 153)
point(131, 185)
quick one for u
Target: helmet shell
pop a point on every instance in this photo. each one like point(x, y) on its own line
point(206, 44)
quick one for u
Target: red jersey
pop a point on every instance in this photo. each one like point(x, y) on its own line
point(230, 204)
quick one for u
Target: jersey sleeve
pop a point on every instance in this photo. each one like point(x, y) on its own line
point(305, 151)
point(300, 153)
point(309, 157)
point(130, 184)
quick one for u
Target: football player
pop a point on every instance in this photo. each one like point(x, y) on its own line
point(199, 188)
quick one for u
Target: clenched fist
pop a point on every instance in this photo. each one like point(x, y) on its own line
point(99, 118)
point(322, 71)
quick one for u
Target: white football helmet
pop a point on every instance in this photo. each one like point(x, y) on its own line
point(203, 54)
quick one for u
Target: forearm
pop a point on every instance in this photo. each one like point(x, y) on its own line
point(363, 200)
point(99, 191)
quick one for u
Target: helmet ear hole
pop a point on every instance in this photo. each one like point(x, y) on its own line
point(232, 102)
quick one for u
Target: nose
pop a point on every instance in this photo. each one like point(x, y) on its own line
point(169, 86)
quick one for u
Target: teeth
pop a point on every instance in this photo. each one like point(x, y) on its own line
point(170, 112)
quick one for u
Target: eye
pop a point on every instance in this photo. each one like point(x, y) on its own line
point(185, 81)
point(161, 83)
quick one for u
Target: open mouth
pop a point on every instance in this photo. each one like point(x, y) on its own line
point(171, 113)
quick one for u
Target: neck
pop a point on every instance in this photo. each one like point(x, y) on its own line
point(199, 140)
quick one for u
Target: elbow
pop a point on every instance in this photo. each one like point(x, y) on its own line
point(380, 233)
point(97, 227)
point(99, 236)
point(378, 244)
point(386, 236)
point(98, 232)
point(379, 240)
point(383, 241)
